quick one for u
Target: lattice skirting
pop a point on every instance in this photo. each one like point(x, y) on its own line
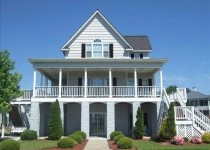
point(187, 131)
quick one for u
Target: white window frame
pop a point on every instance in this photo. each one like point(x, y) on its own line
point(97, 41)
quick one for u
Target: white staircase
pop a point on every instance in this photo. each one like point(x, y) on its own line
point(189, 120)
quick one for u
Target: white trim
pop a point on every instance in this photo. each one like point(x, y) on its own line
point(110, 82)
point(34, 83)
point(60, 82)
point(81, 28)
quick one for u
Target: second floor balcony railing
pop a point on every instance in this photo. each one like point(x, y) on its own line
point(97, 91)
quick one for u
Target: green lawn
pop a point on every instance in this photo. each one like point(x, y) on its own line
point(37, 144)
point(151, 145)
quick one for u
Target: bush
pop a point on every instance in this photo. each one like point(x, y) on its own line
point(55, 129)
point(206, 137)
point(196, 140)
point(125, 143)
point(163, 131)
point(75, 142)
point(171, 128)
point(115, 133)
point(28, 135)
point(78, 138)
point(186, 139)
point(66, 143)
point(118, 137)
point(83, 134)
point(178, 140)
point(155, 138)
point(139, 125)
point(9, 145)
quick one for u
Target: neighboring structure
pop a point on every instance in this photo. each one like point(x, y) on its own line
point(100, 83)
point(199, 100)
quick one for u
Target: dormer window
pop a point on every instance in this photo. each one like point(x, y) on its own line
point(97, 49)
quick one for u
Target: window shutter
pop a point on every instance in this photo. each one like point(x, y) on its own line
point(110, 50)
point(140, 82)
point(150, 82)
point(79, 81)
point(83, 50)
point(114, 82)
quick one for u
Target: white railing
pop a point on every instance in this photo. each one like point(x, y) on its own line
point(72, 91)
point(148, 91)
point(179, 95)
point(183, 113)
point(183, 93)
point(166, 98)
point(123, 91)
point(98, 91)
point(27, 94)
point(45, 91)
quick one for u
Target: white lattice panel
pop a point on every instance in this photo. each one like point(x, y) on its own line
point(181, 130)
point(186, 131)
point(196, 133)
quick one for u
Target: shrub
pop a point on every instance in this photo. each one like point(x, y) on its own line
point(115, 133)
point(178, 140)
point(171, 128)
point(125, 143)
point(139, 125)
point(55, 129)
point(118, 137)
point(83, 134)
point(66, 143)
point(28, 135)
point(9, 145)
point(75, 142)
point(163, 131)
point(78, 138)
point(206, 137)
point(186, 139)
point(196, 140)
point(155, 138)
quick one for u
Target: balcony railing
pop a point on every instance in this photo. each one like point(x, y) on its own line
point(98, 91)
point(27, 94)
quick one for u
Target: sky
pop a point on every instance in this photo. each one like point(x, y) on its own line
point(178, 30)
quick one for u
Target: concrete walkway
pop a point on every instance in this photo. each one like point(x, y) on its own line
point(95, 143)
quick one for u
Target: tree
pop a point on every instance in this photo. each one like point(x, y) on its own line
point(139, 125)
point(170, 89)
point(55, 128)
point(9, 84)
point(171, 128)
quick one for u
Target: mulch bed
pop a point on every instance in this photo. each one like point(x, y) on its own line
point(167, 143)
point(113, 146)
point(77, 147)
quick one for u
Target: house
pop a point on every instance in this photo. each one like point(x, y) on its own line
point(100, 83)
point(199, 100)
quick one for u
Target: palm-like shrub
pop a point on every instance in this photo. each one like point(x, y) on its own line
point(28, 135)
point(125, 143)
point(55, 129)
point(139, 125)
point(206, 137)
point(115, 133)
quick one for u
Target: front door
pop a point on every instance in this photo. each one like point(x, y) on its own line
point(97, 124)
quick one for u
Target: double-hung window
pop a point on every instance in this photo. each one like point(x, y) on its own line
point(97, 49)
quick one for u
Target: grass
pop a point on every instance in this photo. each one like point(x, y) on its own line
point(37, 144)
point(151, 145)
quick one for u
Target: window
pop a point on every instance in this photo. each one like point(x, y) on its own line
point(97, 49)
point(141, 56)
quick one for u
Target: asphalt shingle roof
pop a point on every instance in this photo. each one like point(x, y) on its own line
point(196, 95)
point(138, 42)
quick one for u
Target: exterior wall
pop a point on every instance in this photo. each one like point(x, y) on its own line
point(122, 118)
point(85, 118)
point(35, 117)
point(98, 29)
point(110, 118)
point(44, 118)
point(72, 117)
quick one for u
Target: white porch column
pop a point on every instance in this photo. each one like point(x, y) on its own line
point(62, 112)
point(85, 118)
point(60, 82)
point(110, 82)
point(34, 83)
point(110, 118)
point(135, 82)
point(161, 82)
point(135, 106)
point(34, 119)
point(85, 83)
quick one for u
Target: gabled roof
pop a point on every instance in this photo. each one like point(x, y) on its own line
point(196, 95)
point(97, 12)
point(138, 42)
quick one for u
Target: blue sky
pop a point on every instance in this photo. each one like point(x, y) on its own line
point(178, 30)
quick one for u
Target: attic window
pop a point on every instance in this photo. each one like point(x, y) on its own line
point(97, 40)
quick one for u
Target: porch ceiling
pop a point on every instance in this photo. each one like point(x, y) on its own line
point(53, 73)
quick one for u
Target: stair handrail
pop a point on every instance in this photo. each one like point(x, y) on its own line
point(180, 98)
point(200, 115)
point(166, 98)
point(183, 113)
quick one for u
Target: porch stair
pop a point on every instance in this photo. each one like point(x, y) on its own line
point(189, 120)
point(17, 123)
